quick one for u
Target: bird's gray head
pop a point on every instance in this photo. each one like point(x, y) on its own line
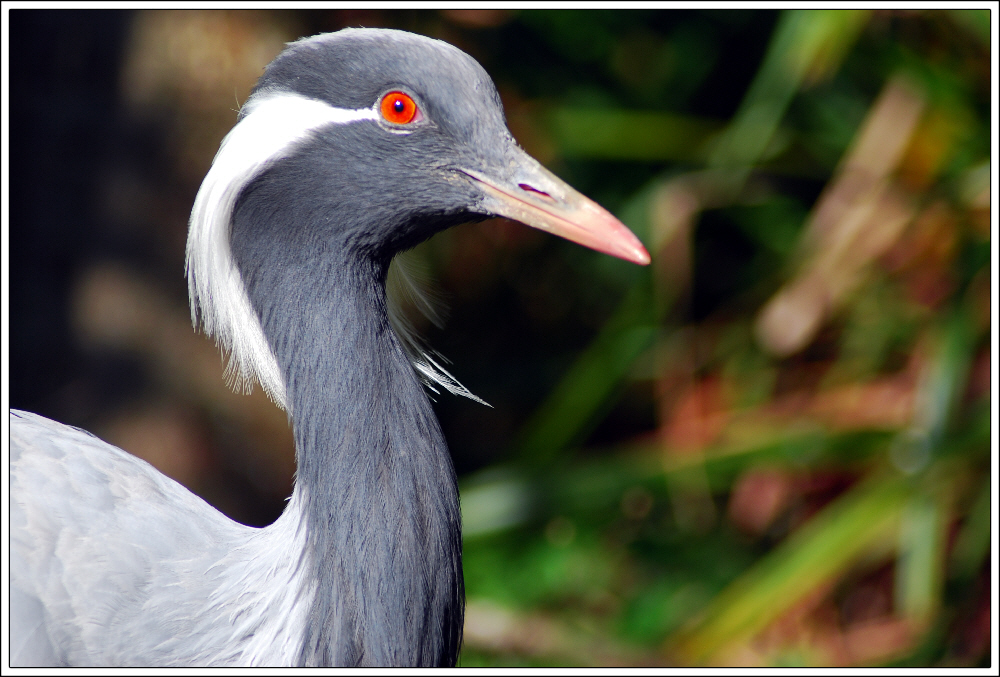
point(421, 112)
point(357, 145)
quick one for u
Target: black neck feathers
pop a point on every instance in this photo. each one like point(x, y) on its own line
point(374, 477)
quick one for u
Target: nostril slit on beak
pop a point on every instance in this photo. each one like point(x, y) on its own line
point(531, 189)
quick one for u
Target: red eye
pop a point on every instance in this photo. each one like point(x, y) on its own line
point(398, 108)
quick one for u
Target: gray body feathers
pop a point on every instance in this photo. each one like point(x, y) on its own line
point(113, 563)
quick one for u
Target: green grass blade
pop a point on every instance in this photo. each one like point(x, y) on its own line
point(860, 522)
point(806, 43)
point(919, 570)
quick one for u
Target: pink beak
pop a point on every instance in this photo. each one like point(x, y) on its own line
point(542, 200)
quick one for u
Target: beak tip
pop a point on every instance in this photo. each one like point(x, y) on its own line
point(633, 251)
point(641, 256)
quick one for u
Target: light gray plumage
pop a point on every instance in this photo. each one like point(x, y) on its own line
point(310, 197)
point(135, 568)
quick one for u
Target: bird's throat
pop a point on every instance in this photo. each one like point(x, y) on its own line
point(374, 481)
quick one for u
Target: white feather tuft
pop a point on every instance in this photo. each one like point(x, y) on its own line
point(404, 287)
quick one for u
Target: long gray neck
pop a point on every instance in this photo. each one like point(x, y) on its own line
point(375, 483)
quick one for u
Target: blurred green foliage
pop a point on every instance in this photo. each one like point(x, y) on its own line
point(814, 485)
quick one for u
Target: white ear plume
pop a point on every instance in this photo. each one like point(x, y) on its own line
point(271, 124)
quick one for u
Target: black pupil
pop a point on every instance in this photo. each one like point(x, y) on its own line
point(399, 106)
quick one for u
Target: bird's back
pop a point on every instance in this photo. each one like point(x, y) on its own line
point(112, 563)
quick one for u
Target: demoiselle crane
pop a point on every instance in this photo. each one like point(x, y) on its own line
point(353, 147)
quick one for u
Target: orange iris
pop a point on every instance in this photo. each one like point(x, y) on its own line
point(398, 108)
